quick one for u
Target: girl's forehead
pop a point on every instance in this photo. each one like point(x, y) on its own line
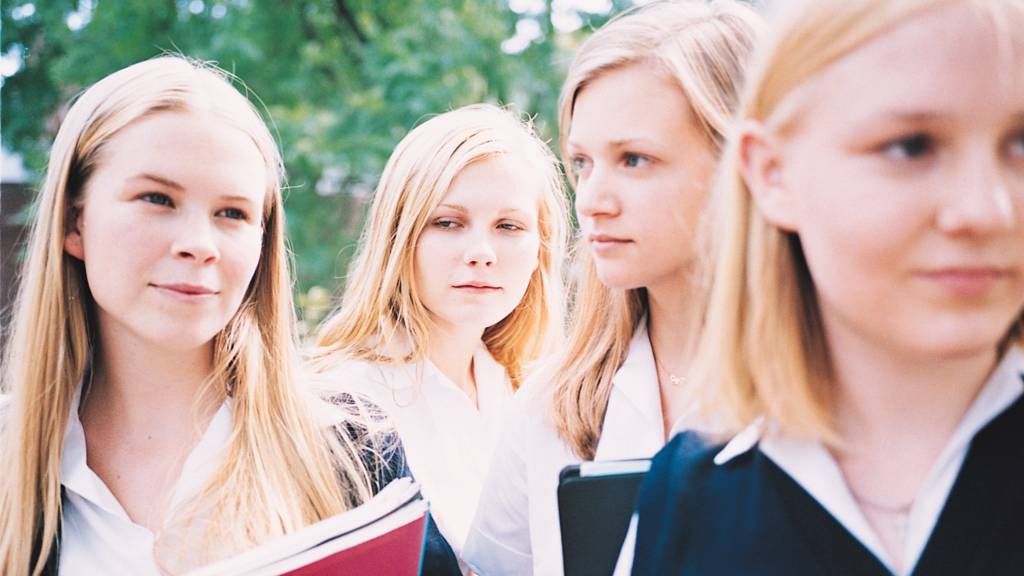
point(952, 62)
point(502, 181)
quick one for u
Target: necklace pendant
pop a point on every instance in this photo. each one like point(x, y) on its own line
point(676, 380)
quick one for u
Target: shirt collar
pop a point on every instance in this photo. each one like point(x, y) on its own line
point(199, 466)
point(1002, 388)
point(424, 373)
point(633, 423)
point(637, 378)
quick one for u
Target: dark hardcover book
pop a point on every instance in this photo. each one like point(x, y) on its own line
point(595, 503)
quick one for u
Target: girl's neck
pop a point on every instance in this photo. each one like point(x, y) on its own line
point(894, 414)
point(668, 327)
point(451, 350)
point(881, 395)
point(151, 388)
point(144, 411)
point(668, 324)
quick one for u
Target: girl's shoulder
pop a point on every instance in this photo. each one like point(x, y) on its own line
point(369, 432)
point(346, 369)
point(537, 388)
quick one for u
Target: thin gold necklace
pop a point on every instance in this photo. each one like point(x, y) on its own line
point(675, 380)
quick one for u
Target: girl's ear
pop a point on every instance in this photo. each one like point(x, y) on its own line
point(761, 166)
point(73, 235)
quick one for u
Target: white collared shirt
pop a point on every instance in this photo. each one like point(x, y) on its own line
point(98, 536)
point(516, 530)
point(811, 466)
point(448, 441)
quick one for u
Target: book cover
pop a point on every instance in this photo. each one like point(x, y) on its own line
point(382, 537)
point(595, 503)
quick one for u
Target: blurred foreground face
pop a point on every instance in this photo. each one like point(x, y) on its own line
point(905, 183)
point(643, 167)
point(475, 257)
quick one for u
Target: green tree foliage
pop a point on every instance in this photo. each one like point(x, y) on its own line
point(342, 81)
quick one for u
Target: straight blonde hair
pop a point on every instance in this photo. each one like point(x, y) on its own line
point(703, 49)
point(281, 469)
point(381, 319)
point(761, 349)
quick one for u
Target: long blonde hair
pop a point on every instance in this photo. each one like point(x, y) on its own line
point(703, 49)
point(381, 319)
point(280, 470)
point(761, 349)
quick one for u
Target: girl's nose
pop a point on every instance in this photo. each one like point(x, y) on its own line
point(595, 194)
point(195, 240)
point(480, 252)
point(978, 201)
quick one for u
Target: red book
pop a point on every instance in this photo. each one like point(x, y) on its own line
point(383, 537)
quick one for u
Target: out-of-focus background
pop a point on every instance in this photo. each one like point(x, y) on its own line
point(343, 81)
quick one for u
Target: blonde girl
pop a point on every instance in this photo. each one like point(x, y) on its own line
point(864, 309)
point(154, 420)
point(643, 114)
point(454, 292)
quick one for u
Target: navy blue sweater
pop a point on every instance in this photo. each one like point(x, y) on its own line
point(749, 517)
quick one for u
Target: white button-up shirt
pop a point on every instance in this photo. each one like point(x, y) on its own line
point(448, 440)
point(98, 536)
point(516, 530)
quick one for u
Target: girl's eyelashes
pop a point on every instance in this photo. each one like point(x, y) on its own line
point(580, 163)
point(633, 160)
point(511, 226)
point(161, 199)
point(233, 214)
point(157, 198)
point(451, 224)
point(909, 148)
point(444, 223)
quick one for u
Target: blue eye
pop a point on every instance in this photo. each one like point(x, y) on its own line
point(510, 226)
point(579, 163)
point(445, 224)
point(635, 160)
point(234, 214)
point(909, 148)
point(157, 198)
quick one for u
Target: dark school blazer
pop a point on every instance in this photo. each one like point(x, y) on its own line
point(748, 517)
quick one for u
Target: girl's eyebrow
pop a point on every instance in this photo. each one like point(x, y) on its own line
point(626, 142)
point(159, 180)
point(463, 210)
point(456, 207)
point(616, 144)
point(176, 186)
point(507, 211)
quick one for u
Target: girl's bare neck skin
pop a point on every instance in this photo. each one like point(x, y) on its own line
point(143, 411)
point(899, 412)
point(451, 350)
point(668, 326)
